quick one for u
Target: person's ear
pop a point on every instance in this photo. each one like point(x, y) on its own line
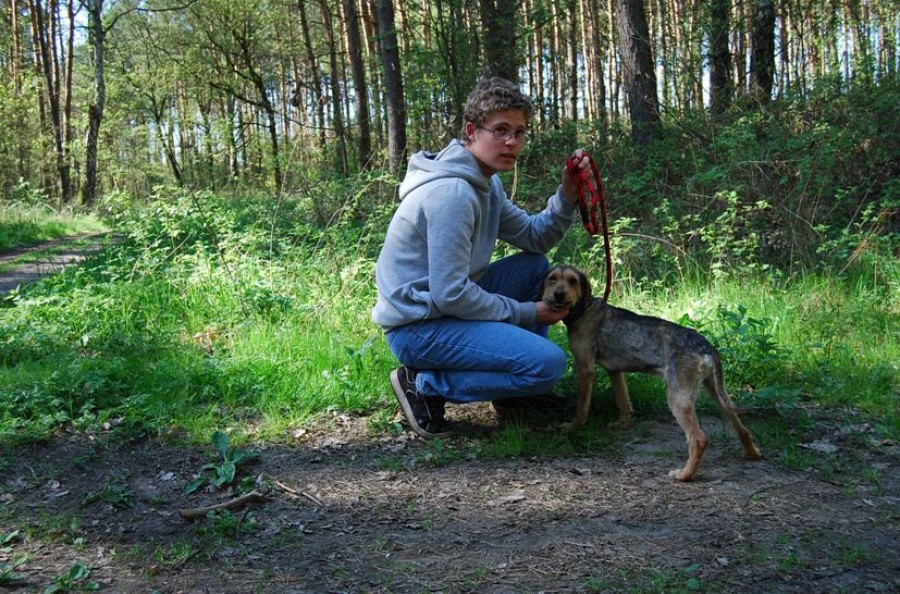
point(470, 131)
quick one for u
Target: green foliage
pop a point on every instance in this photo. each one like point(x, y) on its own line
point(76, 580)
point(224, 524)
point(748, 346)
point(224, 471)
point(8, 575)
point(249, 314)
point(116, 493)
point(28, 220)
point(801, 186)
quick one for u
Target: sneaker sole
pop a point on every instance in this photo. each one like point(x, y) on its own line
point(407, 409)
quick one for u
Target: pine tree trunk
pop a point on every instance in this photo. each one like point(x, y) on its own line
point(337, 116)
point(97, 35)
point(358, 68)
point(393, 86)
point(498, 19)
point(762, 58)
point(637, 70)
point(721, 86)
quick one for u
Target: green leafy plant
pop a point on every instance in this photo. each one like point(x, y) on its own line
point(225, 524)
point(747, 344)
point(115, 492)
point(8, 574)
point(222, 472)
point(76, 580)
point(692, 583)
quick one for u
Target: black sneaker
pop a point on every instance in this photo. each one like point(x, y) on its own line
point(425, 415)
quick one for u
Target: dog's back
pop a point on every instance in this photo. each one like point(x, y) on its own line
point(622, 340)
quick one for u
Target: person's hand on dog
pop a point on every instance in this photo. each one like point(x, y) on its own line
point(549, 316)
point(568, 184)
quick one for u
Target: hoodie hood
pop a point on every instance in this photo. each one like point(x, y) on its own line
point(454, 161)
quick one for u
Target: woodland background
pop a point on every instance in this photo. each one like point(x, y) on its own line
point(242, 158)
point(123, 96)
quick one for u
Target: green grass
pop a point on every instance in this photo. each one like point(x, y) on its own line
point(26, 225)
point(210, 316)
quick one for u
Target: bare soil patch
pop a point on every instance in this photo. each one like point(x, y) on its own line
point(357, 511)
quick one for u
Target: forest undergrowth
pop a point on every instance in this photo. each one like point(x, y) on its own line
point(773, 232)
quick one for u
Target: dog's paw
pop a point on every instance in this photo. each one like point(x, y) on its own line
point(571, 425)
point(680, 474)
point(623, 423)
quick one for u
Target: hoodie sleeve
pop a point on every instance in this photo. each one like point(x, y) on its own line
point(538, 232)
point(450, 224)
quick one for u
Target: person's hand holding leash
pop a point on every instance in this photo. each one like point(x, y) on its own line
point(570, 190)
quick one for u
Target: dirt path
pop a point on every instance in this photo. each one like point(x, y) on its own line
point(60, 253)
point(357, 512)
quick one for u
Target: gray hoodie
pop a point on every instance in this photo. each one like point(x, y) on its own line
point(440, 241)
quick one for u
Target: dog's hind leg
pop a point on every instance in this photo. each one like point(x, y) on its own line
point(715, 387)
point(623, 402)
point(681, 403)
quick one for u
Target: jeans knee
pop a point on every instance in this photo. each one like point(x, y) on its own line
point(552, 367)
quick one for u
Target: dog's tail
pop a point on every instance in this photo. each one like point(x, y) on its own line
point(715, 386)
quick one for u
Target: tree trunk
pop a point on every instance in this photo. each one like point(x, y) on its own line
point(593, 41)
point(572, 59)
point(393, 86)
point(47, 59)
point(637, 70)
point(336, 107)
point(96, 34)
point(313, 64)
point(762, 58)
point(15, 61)
point(367, 12)
point(158, 109)
point(498, 19)
point(720, 82)
point(539, 79)
point(358, 68)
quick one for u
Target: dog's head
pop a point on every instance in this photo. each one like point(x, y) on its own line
point(566, 287)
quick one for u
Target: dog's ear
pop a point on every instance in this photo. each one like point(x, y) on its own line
point(584, 296)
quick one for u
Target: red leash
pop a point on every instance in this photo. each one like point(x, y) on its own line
point(590, 196)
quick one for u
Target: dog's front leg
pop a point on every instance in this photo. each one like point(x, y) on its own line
point(585, 384)
point(623, 402)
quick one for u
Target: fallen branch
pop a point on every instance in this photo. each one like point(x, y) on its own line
point(200, 512)
point(295, 492)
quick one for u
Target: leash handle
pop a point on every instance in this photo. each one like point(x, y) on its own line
point(586, 192)
point(590, 195)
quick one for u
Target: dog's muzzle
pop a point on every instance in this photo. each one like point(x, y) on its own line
point(558, 301)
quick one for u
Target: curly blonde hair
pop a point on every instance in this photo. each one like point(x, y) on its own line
point(494, 94)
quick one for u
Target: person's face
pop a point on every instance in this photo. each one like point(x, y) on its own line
point(497, 154)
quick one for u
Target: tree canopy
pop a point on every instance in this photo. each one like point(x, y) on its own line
point(127, 94)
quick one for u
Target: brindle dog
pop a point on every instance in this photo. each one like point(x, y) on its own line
point(621, 341)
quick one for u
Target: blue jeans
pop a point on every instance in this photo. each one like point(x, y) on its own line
point(470, 360)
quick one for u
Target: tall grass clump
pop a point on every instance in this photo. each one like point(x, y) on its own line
point(27, 219)
point(209, 312)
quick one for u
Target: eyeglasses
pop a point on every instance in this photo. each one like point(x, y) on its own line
point(505, 134)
